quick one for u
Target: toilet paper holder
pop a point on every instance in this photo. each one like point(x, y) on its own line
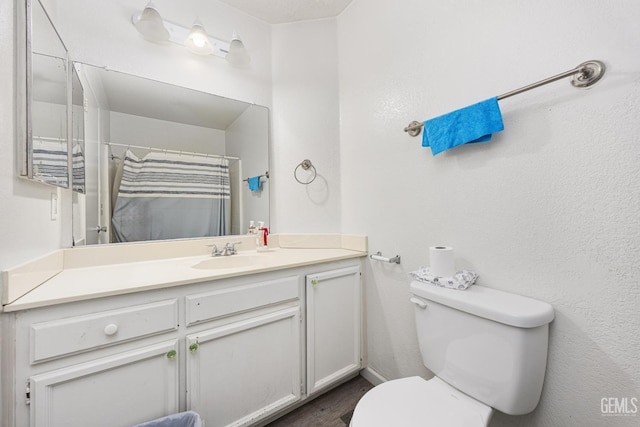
point(378, 257)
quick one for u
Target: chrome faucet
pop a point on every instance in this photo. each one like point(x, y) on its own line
point(229, 249)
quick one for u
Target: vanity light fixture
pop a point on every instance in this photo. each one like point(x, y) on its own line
point(149, 23)
point(238, 55)
point(153, 28)
point(197, 41)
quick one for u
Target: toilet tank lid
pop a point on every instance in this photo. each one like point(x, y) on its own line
point(510, 309)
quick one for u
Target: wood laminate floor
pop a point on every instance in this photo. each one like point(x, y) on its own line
point(332, 409)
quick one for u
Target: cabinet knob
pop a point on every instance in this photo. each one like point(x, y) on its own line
point(193, 347)
point(172, 354)
point(110, 329)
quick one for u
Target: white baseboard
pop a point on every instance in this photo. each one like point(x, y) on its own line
point(372, 376)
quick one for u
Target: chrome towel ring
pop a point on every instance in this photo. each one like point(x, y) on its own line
point(305, 165)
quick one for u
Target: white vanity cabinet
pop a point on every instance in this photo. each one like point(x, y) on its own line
point(239, 351)
point(107, 368)
point(334, 326)
point(244, 366)
point(119, 390)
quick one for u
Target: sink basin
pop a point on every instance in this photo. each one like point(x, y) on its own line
point(233, 261)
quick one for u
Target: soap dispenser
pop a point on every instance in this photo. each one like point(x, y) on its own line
point(261, 239)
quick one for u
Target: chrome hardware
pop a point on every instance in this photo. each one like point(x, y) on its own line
point(305, 165)
point(378, 257)
point(591, 72)
point(100, 229)
point(414, 128)
point(264, 175)
point(229, 249)
point(584, 75)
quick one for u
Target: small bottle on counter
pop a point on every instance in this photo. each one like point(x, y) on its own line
point(252, 228)
point(261, 239)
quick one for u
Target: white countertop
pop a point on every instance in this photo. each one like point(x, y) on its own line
point(76, 281)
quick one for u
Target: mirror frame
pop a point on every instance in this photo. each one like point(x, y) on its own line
point(24, 91)
point(75, 116)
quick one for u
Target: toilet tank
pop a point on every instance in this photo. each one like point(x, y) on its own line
point(489, 344)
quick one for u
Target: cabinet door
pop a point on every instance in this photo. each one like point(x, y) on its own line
point(244, 371)
point(333, 326)
point(120, 390)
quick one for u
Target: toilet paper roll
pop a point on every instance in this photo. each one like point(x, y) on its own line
point(441, 261)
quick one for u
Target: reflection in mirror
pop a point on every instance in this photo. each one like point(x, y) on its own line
point(47, 138)
point(77, 133)
point(166, 162)
point(79, 201)
point(49, 152)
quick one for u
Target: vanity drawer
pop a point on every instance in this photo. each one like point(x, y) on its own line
point(76, 334)
point(224, 302)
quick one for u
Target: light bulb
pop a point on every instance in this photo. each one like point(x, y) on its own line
point(197, 41)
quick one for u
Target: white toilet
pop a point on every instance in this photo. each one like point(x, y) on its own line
point(488, 350)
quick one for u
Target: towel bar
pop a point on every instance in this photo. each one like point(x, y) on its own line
point(264, 175)
point(584, 75)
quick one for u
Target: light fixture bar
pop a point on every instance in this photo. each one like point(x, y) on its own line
point(178, 34)
point(152, 27)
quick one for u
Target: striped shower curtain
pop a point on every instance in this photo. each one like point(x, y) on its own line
point(51, 161)
point(168, 196)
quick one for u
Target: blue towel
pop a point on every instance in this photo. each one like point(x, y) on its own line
point(474, 123)
point(254, 183)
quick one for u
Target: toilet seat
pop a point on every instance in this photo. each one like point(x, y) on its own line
point(415, 402)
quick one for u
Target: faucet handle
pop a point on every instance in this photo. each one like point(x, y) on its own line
point(215, 251)
point(232, 246)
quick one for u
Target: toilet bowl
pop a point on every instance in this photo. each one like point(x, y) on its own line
point(487, 349)
point(415, 402)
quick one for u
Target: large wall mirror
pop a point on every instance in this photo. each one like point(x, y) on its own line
point(166, 162)
point(46, 147)
point(146, 160)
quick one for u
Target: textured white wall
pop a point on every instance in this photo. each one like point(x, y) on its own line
point(305, 126)
point(549, 209)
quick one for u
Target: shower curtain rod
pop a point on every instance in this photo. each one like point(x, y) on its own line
point(164, 150)
point(584, 75)
point(52, 139)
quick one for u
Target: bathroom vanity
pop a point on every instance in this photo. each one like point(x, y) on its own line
point(238, 339)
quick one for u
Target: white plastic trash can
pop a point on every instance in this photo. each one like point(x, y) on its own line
point(181, 419)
